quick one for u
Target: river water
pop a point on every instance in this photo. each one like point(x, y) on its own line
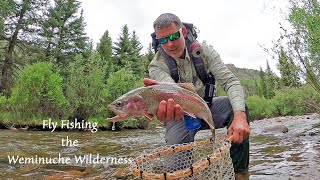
point(274, 155)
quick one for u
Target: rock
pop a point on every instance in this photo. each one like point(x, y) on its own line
point(298, 134)
point(312, 133)
point(276, 128)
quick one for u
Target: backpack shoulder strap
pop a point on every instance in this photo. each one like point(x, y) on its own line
point(198, 64)
point(171, 63)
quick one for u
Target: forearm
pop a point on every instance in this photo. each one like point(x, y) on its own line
point(228, 81)
point(236, 97)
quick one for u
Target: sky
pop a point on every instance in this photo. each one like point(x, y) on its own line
point(235, 28)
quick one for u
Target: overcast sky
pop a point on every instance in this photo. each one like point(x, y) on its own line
point(235, 28)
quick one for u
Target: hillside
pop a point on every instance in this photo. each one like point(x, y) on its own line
point(243, 73)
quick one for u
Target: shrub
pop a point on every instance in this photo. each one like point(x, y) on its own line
point(38, 91)
point(259, 107)
point(3, 103)
point(85, 89)
point(118, 84)
point(289, 102)
point(137, 123)
point(311, 99)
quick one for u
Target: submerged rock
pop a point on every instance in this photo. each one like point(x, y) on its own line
point(276, 128)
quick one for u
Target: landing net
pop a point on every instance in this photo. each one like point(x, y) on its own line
point(199, 160)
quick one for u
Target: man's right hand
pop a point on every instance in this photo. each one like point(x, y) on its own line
point(167, 110)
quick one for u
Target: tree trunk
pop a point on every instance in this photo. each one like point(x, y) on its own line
point(7, 69)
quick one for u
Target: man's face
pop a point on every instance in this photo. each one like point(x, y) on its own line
point(172, 46)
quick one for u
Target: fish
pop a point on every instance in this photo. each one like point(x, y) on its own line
point(144, 101)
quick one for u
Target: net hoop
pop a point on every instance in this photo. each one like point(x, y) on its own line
point(194, 168)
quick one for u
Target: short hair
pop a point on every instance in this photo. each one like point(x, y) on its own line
point(165, 20)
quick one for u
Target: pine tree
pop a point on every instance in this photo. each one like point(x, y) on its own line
point(263, 86)
point(123, 50)
point(104, 48)
point(270, 82)
point(289, 72)
point(257, 89)
point(147, 59)
point(20, 32)
point(136, 58)
point(63, 32)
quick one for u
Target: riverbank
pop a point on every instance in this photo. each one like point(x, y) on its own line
point(101, 124)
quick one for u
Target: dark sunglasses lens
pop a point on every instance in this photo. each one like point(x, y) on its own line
point(163, 40)
point(174, 36)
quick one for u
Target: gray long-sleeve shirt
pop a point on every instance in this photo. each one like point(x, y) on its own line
point(158, 70)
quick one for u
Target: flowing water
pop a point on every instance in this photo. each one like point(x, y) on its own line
point(106, 154)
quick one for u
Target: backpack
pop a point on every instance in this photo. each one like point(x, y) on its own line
point(207, 78)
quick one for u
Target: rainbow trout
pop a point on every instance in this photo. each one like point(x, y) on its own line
point(144, 101)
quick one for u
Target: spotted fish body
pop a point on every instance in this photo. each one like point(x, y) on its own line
point(144, 101)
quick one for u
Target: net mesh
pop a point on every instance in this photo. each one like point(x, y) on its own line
point(202, 159)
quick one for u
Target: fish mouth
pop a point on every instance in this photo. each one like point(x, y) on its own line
point(120, 115)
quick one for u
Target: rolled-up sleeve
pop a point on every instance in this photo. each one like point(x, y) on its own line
point(229, 82)
point(158, 70)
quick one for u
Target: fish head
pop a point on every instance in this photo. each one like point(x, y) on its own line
point(126, 107)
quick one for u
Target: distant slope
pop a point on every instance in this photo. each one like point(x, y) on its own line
point(243, 73)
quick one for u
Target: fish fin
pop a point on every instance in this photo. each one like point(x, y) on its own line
point(188, 86)
point(190, 114)
point(148, 116)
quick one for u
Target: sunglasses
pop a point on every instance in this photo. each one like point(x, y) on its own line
point(171, 37)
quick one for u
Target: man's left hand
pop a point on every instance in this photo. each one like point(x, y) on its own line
point(239, 127)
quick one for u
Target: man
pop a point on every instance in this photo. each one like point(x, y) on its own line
point(226, 111)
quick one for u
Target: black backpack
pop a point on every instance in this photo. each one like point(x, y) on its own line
point(206, 78)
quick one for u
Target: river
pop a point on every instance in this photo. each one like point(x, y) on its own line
point(273, 154)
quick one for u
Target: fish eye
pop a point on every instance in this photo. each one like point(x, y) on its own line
point(118, 103)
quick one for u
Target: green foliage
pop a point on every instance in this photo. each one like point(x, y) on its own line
point(136, 57)
point(302, 41)
point(85, 89)
point(104, 49)
point(286, 102)
point(289, 102)
point(249, 87)
point(120, 83)
point(263, 85)
point(6, 8)
point(19, 26)
point(137, 123)
point(102, 122)
point(3, 103)
point(38, 90)
point(259, 107)
point(63, 33)
point(147, 59)
point(122, 50)
point(220, 91)
point(311, 99)
point(288, 70)
point(269, 82)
